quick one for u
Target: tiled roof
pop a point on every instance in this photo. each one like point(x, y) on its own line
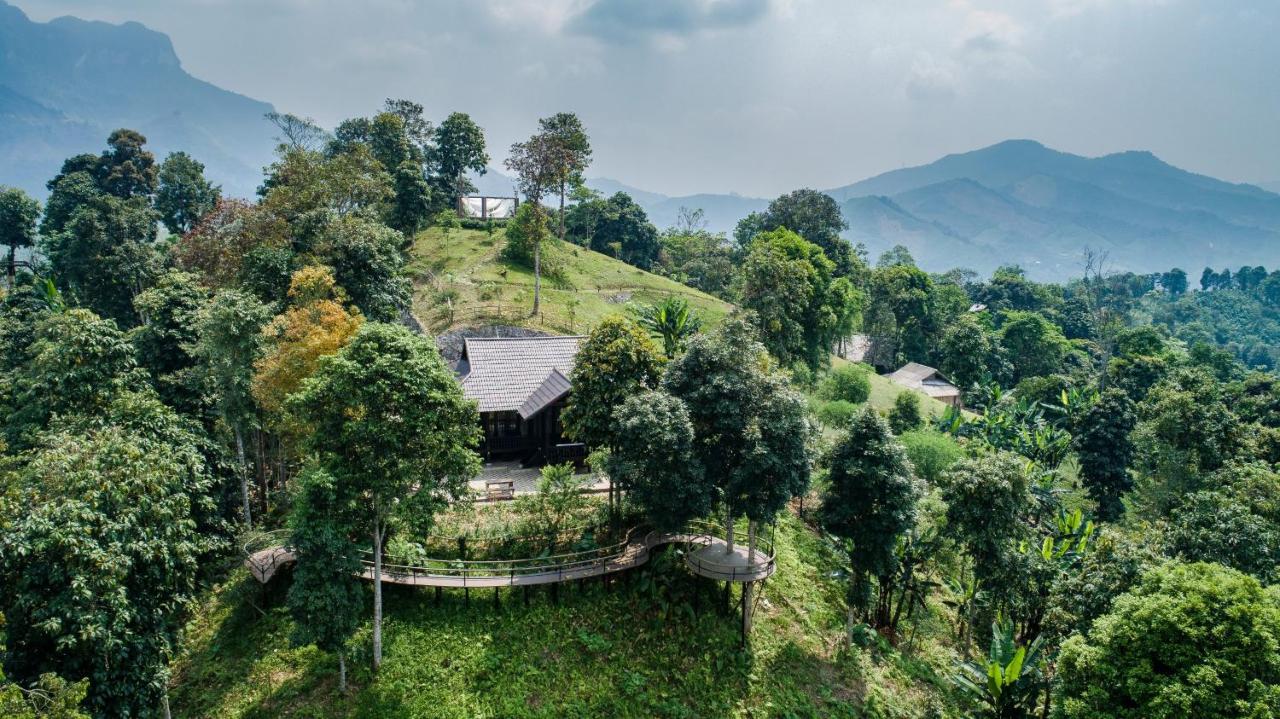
point(504, 373)
point(552, 388)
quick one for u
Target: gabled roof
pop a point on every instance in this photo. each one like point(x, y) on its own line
point(515, 374)
point(552, 388)
point(912, 372)
point(924, 378)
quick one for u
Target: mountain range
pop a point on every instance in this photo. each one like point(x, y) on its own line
point(65, 84)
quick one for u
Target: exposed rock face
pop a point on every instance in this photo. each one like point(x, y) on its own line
point(450, 343)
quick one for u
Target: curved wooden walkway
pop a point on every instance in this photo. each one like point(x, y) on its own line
point(706, 557)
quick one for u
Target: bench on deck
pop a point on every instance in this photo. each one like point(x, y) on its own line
point(499, 490)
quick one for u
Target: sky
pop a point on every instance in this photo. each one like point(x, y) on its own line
point(760, 97)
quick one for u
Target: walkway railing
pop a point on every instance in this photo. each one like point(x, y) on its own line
point(631, 551)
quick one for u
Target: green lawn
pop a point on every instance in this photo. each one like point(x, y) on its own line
point(596, 653)
point(884, 391)
point(468, 283)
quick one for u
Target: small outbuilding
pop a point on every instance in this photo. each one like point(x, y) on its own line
point(923, 378)
point(521, 385)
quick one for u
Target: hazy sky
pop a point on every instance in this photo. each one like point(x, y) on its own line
point(762, 96)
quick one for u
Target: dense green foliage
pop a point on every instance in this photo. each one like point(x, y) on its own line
point(1188, 641)
point(614, 362)
point(653, 459)
point(1107, 501)
point(870, 504)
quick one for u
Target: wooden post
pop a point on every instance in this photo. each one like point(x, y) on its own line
point(496, 602)
point(466, 597)
point(746, 611)
point(438, 591)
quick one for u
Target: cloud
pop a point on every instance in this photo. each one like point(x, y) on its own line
point(663, 20)
point(931, 79)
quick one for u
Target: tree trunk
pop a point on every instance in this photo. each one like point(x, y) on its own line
point(164, 705)
point(537, 276)
point(377, 595)
point(244, 478)
point(746, 610)
point(342, 671)
point(262, 465)
point(12, 269)
point(728, 532)
point(562, 212)
point(751, 542)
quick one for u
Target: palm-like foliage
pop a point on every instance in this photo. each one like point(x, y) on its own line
point(1008, 683)
point(671, 320)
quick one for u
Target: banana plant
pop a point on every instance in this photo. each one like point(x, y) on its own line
point(1008, 684)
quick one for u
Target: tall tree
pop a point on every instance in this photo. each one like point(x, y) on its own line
point(816, 217)
point(104, 254)
point(533, 161)
point(164, 341)
point(752, 429)
point(570, 150)
point(127, 169)
point(970, 354)
point(904, 311)
point(327, 592)
point(621, 228)
point(1035, 345)
point(1105, 450)
point(229, 331)
point(367, 263)
point(615, 361)
point(654, 460)
point(459, 147)
point(387, 420)
point(18, 215)
point(870, 503)
point(184, 195)
point(986, 498)
point(76, 365)
point(317, 325)
point(800, 307)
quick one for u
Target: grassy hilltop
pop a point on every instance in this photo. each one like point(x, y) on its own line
point(467, 282)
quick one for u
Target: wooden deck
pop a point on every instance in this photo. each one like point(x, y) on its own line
point(706, 557)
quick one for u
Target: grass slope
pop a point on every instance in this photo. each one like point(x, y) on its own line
point(597, 652)
point(465, 281)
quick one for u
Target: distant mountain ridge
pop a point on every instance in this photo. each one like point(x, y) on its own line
point(1021, 202)
point(66, 84)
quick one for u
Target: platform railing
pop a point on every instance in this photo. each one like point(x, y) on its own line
point(631, 550)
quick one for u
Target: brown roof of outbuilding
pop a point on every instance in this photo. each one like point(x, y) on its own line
point(515, 374)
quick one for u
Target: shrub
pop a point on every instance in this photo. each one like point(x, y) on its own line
point(905, 416)
point(847, 383)
point(835, 414)
point(931, 453)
